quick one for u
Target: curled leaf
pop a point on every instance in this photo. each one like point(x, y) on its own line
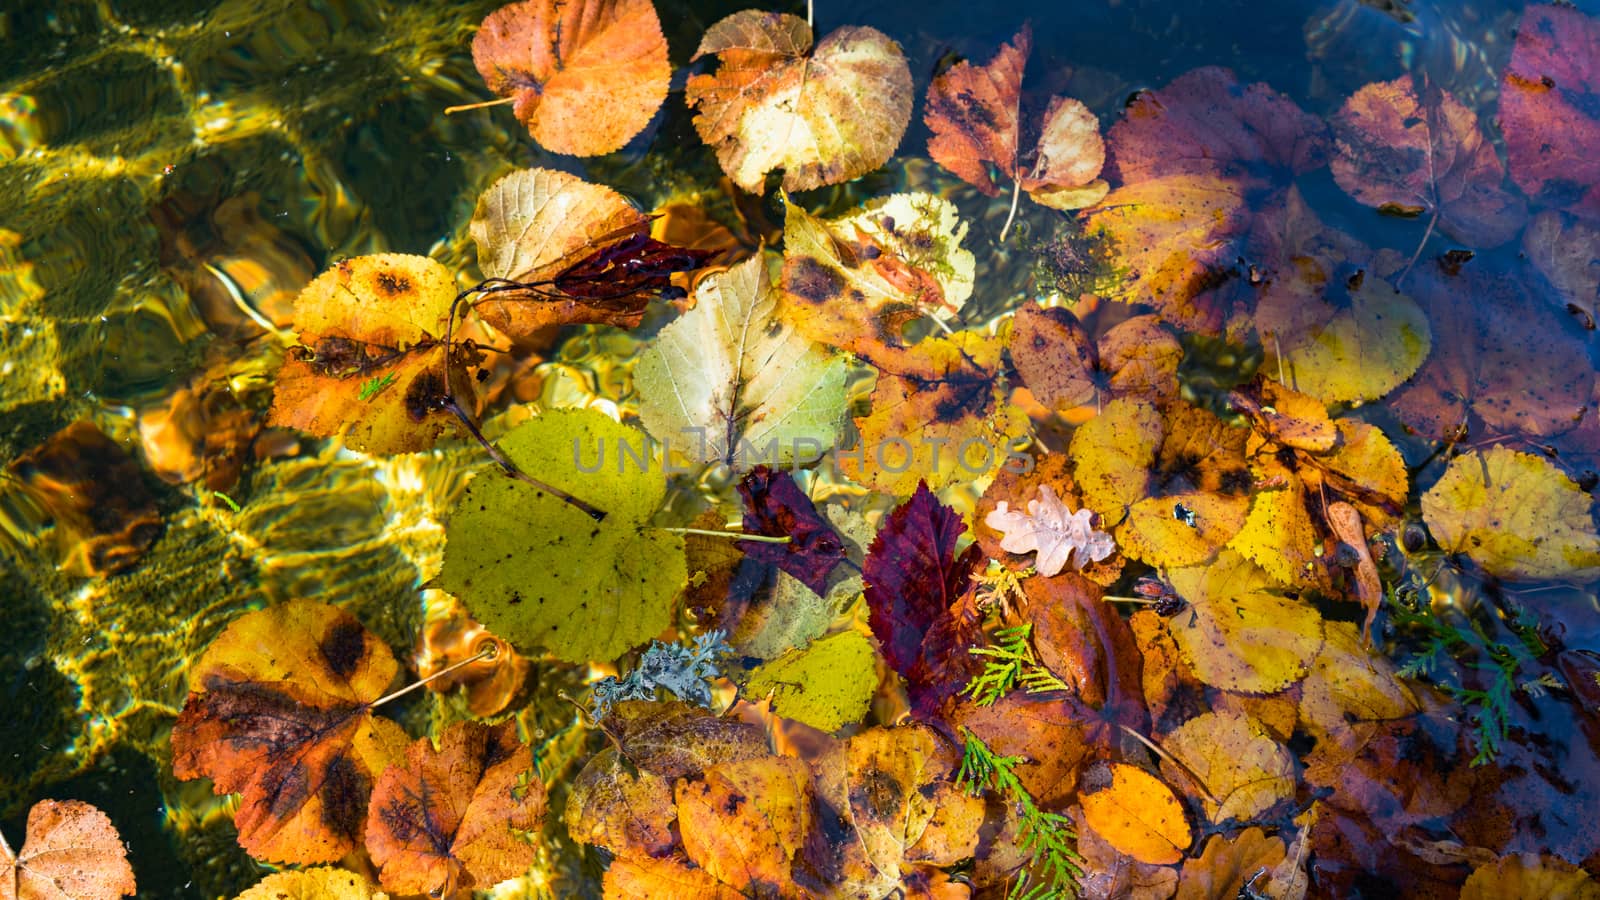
point(776, 507)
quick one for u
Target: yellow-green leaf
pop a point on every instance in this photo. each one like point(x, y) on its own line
point(826, 685)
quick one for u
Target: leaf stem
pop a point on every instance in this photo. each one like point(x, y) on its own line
point(498, 101)
point(510, 468)
point(1016, 194)
point(491, 649)
point(735, 535)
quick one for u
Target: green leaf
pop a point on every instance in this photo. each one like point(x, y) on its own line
point(727, 380)
point(544, 574)
point(827, 685)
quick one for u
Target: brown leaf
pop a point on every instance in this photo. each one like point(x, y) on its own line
point(672, 739)
point(1064, 368)
point(586, 75)
point(746, 820)
point(1227, 865)
point(71, 851)
point(628, 811)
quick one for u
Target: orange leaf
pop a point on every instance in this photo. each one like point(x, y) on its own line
point(1135, 812)
point(1064, 367)
point(652, 879)
point(448, 819)
point(628, 811)
point(824, 115)
point(72, 851)
point(586, 75)
point(1226, 866)
point(746, 820)
point(280, 711)
point(371, 360)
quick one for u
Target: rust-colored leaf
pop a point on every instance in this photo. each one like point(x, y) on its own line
point(746, 820)
point(1547, 108)
point(586, 75)
point(1064, 367)
point(280, 712)
point(450, 818)
point(672, 739)
point(653, 879)
point(629, 812)
point(1228, 864)
point(1135, 812)
point(71, 851)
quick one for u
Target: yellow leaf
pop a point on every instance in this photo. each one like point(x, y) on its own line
point(826, 685)
point(1241, 767)
point(1236, 634)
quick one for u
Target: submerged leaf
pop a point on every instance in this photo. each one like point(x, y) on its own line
point(1548, 107)
point(729, 383)
point(71, 851)
point(545, 574)
point(824, 115)
point(1135, 812)
point(1236, 633)
point(1236, 762)
point(776, 507)
point(586, 75)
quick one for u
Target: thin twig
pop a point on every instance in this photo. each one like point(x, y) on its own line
point(490, 651)
point(1175, 761)
point(1016, 194)
point(735, 535)
point(500, 101)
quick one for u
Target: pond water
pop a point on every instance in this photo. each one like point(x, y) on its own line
point(172, 174)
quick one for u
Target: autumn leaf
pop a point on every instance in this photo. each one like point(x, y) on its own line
point(627, 810)
point(1055, 736)
point(585, 76)
point(1064, 367)
point(1229, 865)
point(1515, 514)
point(1411, 155)
point(730, 383)
point(1135, 812)
point(71, 851)
point(628, 879)
point(544, 573)
point(1564, 249)
point(890, 780)
point(1237, 633)
point(917, 589)
point(280, 712)
point(374, 317)
point(826, 684)
point(320, 883)
point(1049, 528)
point(1236, 762)
point(1530, 875)
point(673, 739)
point(453, 817)
point(745, 821)
point(823, 114)
point(1110, 873)
point(1547, 96)
point(857, 281)
point(776, 507)
point(1349, 690)
point(1019, 481)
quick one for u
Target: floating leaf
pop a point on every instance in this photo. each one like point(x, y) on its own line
point(628, 879)
point(1396, 151)
point(746, 820)
point(320, 883)
point(1064, 368)
point(1566, 251)
point(280, 712)
point(452, 818)
point(1049, 528)
point(855, 282)
point(1013, 481)
point(1237, 634)
point(1530, 875)
point(1515, 514)
point(729, 383)
point(1135, 812)
point(627, 810)
point(586, 76)
point(824, 115)
point(1236, 762)
point(776, 507)
point(1350, 689)
point(673, 739)
point(1228, 865)
point(890, 773)
point(917, 592)
point(828, 684)
point(545, 574)
point(369, 317)
point(1547, 108)
point(71, 851)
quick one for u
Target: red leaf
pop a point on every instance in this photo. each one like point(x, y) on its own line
point(918, 595)
point(775, 506)
point(1547, 108)
point(637, 264)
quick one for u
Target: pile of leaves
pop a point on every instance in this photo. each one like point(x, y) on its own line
point(1022, 608)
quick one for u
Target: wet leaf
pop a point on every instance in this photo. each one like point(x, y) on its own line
point(543, 573)
point(380, 321)
point(586, 76)
point(941, 418)
point(917, 589)
point(775, 506)
point(823, 114)
point(1349, 689)
point(1051, 530)
point(454, 817)
point(279, 711)
point(1236, 633)
point(1227, 865)
point(855, 282)
point(1064, 367)
point(1287, 417)
point(673, 739)
point(827, 684)
point(729, 383)
point(1424, 155)
point(891, 778)
point(628, 879)
point(320, 883)
point(1515, 514)
point(1237, 762)
point(1113, 875)
point(1530, 875)
point(629, 811)
point(1566, 251)
point(71, 851)
point(1547, 108)
point(1135, 812)
point(1052, 470)
point(746, 820)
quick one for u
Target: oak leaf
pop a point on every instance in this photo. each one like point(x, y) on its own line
point(728, 382)
point(1055, 533)
point(745, 821)
point(1424, 155)
point(71, 851)
point(1011, 481)
point(775, 506)
point(372, 361)
point(1135, 812)
point(1547, 108)
point(280, 712)
point(823, 114)
point(586, 76)
point(451, 817)
point(1064, 367)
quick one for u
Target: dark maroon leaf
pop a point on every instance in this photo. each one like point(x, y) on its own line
point(775, 506)
point(919, 598)
point(637, 264)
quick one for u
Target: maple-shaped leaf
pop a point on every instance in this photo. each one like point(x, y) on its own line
point(855, 282)
point(730, 383)
point(823, 114)
point(1424, 155)
point(1547, 108)
point(280, 712)
point(776, 507)
point(585, 75)
point(567, 252)
point(1055, 532)
point(918, 593)
point(1065, 367)
point(450, 818)
point(71, 851)
point(974, 113)
point(372, 361)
